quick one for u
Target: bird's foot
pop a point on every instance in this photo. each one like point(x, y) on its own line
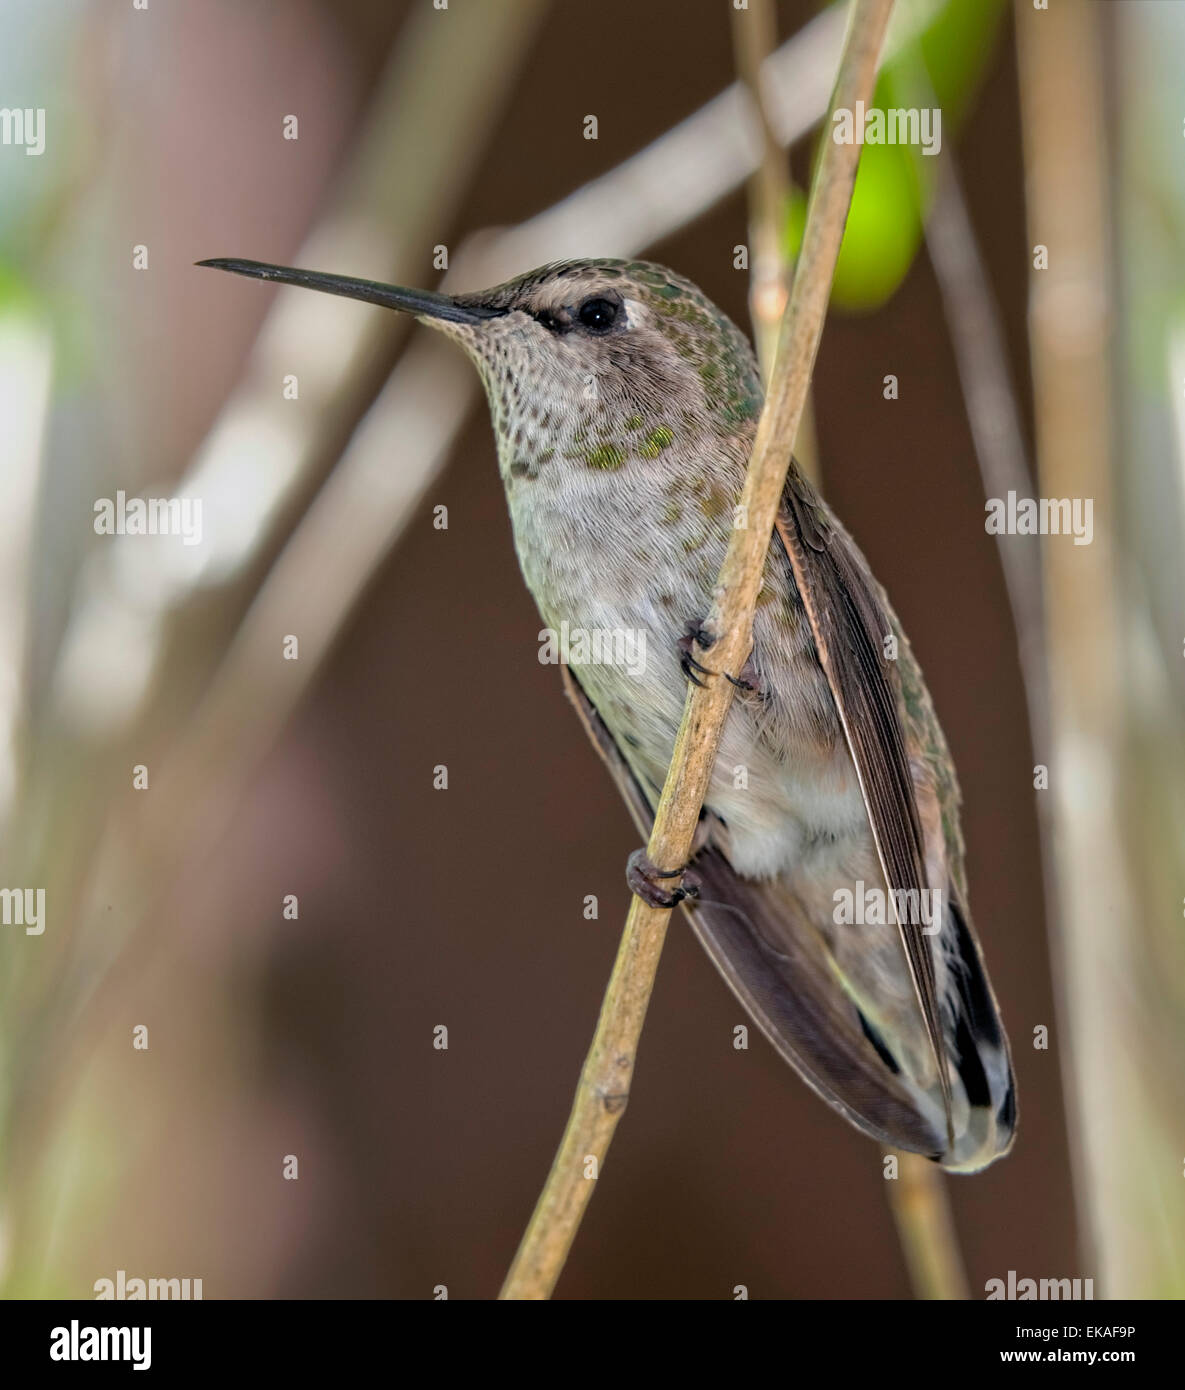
point(698, 636)
point(643, 877)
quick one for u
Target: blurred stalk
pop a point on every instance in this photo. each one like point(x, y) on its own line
point(1062, 102)
point(755, 38)
point(1148, 198)
point(993, 414)
point(754, 33)
point(26, 371)
point(920, 1203)
point(994, 417)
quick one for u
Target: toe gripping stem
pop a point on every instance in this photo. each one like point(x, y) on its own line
point(643, 877)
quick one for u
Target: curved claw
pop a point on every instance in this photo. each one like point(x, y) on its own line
point(693, 670)
point(695, 635)
point(749, 680)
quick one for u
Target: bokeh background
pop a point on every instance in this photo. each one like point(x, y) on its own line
point(419, 129)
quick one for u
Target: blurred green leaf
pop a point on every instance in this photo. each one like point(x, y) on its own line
point(883, 232)
point(16, 295)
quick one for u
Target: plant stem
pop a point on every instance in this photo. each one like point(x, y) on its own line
point(755, 38)
point(920, 1205)
point(754, 33)
point(1070, 340)
point(604, 1086)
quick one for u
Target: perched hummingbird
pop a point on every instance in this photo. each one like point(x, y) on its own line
point(828, 883)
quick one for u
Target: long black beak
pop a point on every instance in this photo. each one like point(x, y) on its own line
point(422, 303)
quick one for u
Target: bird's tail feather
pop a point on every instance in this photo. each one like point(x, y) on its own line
point(778, 965)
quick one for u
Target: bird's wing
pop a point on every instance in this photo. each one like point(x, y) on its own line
point(850, 625)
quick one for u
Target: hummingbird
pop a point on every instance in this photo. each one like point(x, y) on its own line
point(827, 881)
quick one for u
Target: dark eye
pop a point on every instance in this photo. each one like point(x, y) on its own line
point(598, 314)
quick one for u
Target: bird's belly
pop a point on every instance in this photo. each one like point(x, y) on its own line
point(784, 783)
point(789, 798)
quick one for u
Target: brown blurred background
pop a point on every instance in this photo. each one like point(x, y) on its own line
point(464, 907)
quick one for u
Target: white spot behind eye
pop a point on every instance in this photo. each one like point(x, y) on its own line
point(636, 313)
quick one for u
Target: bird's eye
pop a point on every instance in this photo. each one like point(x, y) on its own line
point(598, 314)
